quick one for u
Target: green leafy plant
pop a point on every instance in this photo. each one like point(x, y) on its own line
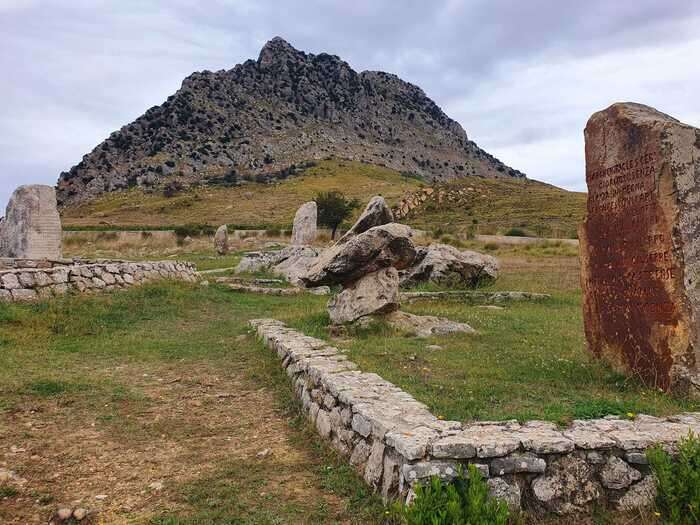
point(463, 501)
point(516, 232)
point(333, 209)
point(678, 482)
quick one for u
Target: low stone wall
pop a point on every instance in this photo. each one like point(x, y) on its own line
point(474, 297)
point(42, 281)
point(394, 440)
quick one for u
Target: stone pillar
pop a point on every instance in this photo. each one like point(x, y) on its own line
point(640, 243)
point(31, 228)
point(221, 240)
point(304, 229)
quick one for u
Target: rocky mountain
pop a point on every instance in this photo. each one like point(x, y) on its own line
point(266, 118)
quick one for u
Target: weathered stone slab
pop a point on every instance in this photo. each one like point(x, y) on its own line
point(221, 240)
point(375, 293)
point(31, 228)
point(304, 228)
point(640, 244)
point(376, 213)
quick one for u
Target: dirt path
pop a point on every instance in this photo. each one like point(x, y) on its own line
point(128, 461)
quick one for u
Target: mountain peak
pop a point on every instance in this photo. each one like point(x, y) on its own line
point(275, 50)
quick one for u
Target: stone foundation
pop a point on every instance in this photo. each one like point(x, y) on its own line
point(394, 440)
point(41, 279)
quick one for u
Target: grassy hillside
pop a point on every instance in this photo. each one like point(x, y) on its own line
point(496, 205)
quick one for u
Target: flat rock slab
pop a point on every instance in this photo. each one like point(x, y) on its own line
point(426, 325)
point(304, 228)
point(640, 243)
point(474, 297)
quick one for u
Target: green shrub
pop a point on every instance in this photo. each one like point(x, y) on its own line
point(516, 232)
point(678, 482)
point(465, 500)
point(194, 230)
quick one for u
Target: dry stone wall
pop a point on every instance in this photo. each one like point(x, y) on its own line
point(394, 440)
point(40, 281)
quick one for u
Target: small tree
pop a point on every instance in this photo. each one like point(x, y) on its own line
point(333, 209)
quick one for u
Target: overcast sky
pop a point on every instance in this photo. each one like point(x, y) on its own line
point(522, 77)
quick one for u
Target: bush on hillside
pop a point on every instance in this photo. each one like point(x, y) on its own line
point(516, 232)
point(333, 209)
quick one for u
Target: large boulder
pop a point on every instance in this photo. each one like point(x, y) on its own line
point(32, 227)
point(368, 252)
point(444, 264)
point(376, 213)
point(295, 262)
point(221, 240)
point(375, 293)
point(304, 229)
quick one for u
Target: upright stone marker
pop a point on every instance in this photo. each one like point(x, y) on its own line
point(31, 228)
point(304, 229)
point(221, 240)
point(640, 243)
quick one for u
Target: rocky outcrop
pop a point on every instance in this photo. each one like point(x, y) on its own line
point(373, 294)
point(376, 213)
point(31, 228)
point(373, 250)
point(266, 118)
point(444, 264)
point(304, 228)
point(221, 240)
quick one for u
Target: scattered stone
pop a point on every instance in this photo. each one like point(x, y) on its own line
point(304, 228)
point(433, 347)
point(80, 514)
point(375, 293)
point(64, 514)
point(31, 228)
point(320, 290)
point(426, 325)
point(376, 213)
point(101, 497)
point(221, 240)
point(156, 485)
point(642, 175)
point(444, 264)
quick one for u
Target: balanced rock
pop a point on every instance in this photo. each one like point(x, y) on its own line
point(376, 213)
point(444, 264)
point(31, 228)
point(221, 240)
point(304, 229)
point(640, 241)
point(368, 252)
point(375, 293)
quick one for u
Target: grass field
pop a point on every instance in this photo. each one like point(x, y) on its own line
point(494, 207)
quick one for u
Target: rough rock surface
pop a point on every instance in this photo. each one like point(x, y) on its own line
point(221, 240)
point(568, 486)
point(639, 245)
point(376, 213)
point(426, 325)
point(372, 294)
point(304, 228)
point(444, 264)
point(290, 262)
point(377, 248)
point(31, 228)
point(214, 128)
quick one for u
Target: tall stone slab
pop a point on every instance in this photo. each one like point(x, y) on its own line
point(640, 243)
point(304, 228)
point(31, 228)
point(221, 240)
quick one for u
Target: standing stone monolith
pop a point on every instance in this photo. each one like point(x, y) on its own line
point(31, 228)
point(221, 240)
point(640, 244)
point(304, 229)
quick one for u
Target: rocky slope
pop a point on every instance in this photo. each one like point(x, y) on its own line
point(262, 119)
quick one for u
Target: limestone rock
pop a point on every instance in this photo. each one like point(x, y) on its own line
point(617, 474)
point(639, 245)
point(296, 262)
point(567, 486)
point(510, 493)
point(376, 213)
point(377, 248)
point(444, 264)
point(426, 325)
point(31, 228)
point(375, 293)
point(221, 240)
point(304, 228)
point(640, 495)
